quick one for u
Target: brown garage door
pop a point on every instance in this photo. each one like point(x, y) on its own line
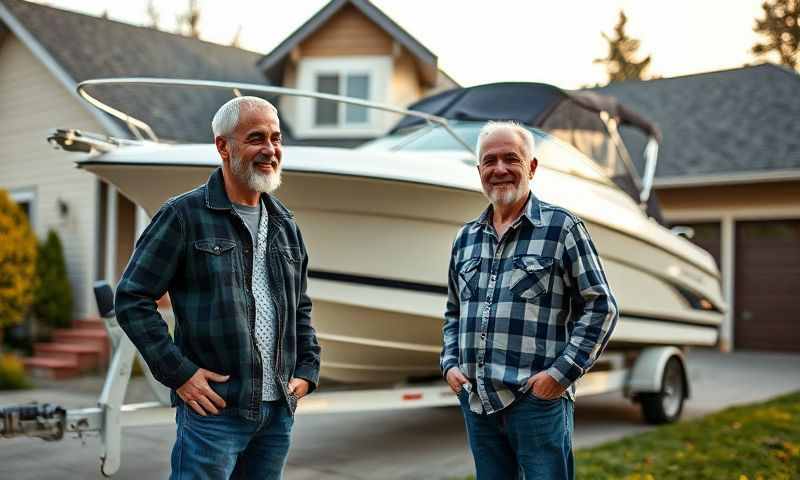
point(767, 285)
point(707, 236)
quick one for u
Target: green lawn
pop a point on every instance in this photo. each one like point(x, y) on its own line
point(759, 441)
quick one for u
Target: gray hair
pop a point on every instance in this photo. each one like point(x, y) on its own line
point(226, 119)
point(528, 143)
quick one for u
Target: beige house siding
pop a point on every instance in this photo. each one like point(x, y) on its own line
point(348, 33)
point(754, 201)
point(32, 102)
point(406, 86)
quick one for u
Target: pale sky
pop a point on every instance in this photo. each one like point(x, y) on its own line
point(502, 40)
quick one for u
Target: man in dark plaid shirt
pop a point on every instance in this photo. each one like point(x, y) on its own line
point(235, 265)
point(528, 312)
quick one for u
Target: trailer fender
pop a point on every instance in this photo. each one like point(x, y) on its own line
point(648, 370)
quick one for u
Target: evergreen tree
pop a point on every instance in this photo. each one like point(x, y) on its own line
point(780, 30)
point(53, 299)
point(620, 62)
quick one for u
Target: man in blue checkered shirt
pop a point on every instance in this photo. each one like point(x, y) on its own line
point(528, 312)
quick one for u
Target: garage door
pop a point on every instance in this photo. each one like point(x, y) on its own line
point(767, 286)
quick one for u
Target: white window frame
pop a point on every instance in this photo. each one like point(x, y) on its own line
point(379, 71)
point(27, 195)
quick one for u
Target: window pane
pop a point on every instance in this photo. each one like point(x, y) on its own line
point(326, 112)
point(357, 87)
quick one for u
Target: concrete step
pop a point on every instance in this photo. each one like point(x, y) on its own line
point(89, 356)
point(53, 368)
point(86, 336)
point(90, 323)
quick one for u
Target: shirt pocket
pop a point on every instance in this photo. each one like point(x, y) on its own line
point(468, 275)
point(531, 276)
point(216, 261)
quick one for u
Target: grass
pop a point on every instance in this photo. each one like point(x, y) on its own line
point(752, 442)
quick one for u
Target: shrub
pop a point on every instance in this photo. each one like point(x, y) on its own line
point(17, 262)
point(53, 298)
point(12, 373)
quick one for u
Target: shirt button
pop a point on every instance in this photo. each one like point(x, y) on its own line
point(480, 365)
point(483, 336)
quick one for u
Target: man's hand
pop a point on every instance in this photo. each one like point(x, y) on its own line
point(197, 393)
point(298, 387)
point(545, 387)
point(456, 379)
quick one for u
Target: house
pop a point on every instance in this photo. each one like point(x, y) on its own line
point(729, 167)
point(349, 47)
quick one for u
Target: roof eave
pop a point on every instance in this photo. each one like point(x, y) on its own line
point(279, 54)
point(774, 176)
point(16, 27)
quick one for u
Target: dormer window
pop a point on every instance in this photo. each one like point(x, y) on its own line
point(364, 77)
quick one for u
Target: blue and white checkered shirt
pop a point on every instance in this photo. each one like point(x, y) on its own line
point(536, 299)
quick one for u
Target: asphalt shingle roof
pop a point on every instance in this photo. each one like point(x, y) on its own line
point(726, 122)
point(91, 47)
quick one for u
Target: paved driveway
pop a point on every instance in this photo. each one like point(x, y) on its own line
point(418, 444)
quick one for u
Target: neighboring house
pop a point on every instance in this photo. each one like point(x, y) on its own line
point(729, 167)
point(348, 47)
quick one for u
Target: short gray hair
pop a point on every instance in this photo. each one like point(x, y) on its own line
point(226, 119)
point(528, 143)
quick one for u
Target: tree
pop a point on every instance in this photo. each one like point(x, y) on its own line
point(189, 21)
point(620, 62)
point(237, 38)
point(152, 15)
point(780, 31)
point(17, 263)
point(53, 298)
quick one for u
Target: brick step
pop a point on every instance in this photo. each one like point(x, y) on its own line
point(90, 356)
point(90, 336)
point(53, 368)
point(90, 323)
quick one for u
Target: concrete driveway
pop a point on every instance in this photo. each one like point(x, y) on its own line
point(417, 444)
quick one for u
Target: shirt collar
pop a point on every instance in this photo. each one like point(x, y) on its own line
point(532, 212)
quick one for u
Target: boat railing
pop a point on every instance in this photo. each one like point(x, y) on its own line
point(143, 131)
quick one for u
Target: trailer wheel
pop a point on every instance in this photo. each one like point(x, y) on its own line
point(666, 405)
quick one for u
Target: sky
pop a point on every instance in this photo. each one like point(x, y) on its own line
point(502, 40)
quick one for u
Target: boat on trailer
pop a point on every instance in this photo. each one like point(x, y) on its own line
point(379, 220)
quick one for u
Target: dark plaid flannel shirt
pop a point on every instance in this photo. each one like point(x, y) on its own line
point(199, 250)
point(535, 300)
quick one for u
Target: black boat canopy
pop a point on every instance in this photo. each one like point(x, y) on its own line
point(586, 120)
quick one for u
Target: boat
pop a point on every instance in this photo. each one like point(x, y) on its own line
point(379, 219)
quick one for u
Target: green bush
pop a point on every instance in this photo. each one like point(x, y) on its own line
point(53, 299)
point(17, 262)
point(12, 373)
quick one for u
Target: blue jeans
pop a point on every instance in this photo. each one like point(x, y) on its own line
point(228, 446)
point(530, 439)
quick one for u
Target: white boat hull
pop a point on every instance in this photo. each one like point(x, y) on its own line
point(379, 252)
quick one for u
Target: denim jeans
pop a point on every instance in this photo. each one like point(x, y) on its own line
point(530, 439)
point(228, 446)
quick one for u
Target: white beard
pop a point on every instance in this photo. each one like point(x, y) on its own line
point(505, 196)
point(258, 181)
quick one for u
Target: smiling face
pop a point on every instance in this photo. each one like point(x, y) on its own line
point(253, 152)
point(505, 168)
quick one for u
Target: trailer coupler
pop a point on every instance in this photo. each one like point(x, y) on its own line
point(44, 421)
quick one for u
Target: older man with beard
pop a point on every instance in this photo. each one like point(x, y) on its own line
point(234, 263)
point(528, 312)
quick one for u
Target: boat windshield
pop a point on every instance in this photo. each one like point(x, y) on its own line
point(550, 151)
